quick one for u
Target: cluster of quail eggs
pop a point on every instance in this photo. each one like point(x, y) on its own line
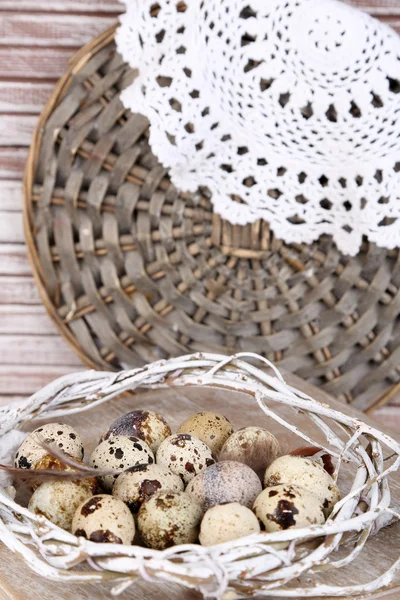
point(205, 483)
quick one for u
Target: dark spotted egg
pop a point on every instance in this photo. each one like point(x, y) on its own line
point(118, 454)
point(137, 484)
point(185, 455)
point(104, 518)
point(147, 425)
point(59, 435)
point(287, 507)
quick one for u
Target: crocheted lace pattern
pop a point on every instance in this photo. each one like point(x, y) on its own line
point(286, 110)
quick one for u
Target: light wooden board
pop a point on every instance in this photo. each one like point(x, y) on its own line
point(177, 405)
point(37, 38)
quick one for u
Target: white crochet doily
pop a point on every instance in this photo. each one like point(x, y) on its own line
point(286, 110)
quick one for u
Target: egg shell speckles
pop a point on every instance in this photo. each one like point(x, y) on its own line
point(104, 519)
point(169, 518)
point(227, 522)
point(137, 484)
point(225, 482)
point(62, 436)
point(306, 473)
point(211, 428)
point(254, 446)
point(58, 501)
point(147, 425)
point(287, 507)
point(185, 455)
point(118, 454)
point(51, 463)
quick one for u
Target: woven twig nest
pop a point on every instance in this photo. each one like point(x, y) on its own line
point(254, 565)
point(132, 272)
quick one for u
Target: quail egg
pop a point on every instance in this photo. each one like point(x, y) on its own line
point(106, 519)
point(60, 435)
point(49, 462)
point(227, 522)
point(185, 455)
point(58, 501)
point(147, 425)
point(316, 454)
point(212, 428)
point(118, 453)
point(253, 446)
point(225, 482)
point(287, 507)
point(306, 473)
point(138, 483)
point(168, 518)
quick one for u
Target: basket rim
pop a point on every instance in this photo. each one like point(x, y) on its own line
point(75, 63)
point(84, 390)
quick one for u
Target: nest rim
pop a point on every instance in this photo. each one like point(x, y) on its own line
point(86, 390)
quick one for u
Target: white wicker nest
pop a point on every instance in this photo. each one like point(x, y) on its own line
point(238, 569)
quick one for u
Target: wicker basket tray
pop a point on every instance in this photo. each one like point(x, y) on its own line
point(131, 271)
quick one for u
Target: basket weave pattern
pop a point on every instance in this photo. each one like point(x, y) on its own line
point(237, 569)
point(131, 271)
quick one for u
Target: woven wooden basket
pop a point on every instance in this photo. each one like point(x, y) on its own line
point(131, 271)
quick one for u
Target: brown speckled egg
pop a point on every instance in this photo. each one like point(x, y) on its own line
point(52, 463)
point(137, 484)
point(225, 482)
point(227, 522)
point(60, 435)
point(306, 473)
point(185, 455)
point(169, 518)
point(287, 507)
point(58, 501)
point(212, 428)
point(118, 453)
point(104, 519)
point(253, 446)
point(147, 425)
point(316, 454)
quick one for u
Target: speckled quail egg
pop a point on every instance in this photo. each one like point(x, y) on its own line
point(58, 501)
point(185, 455)
point(287, 507)
point(118, 454)
point(168, 518)
point(316, 454)
point(211, 428)
point(227, 522)
point(52, 463)
point(253, 446)
point(137, 484)
point(106, 519)
point(306, 473)
point(147, 425)
point(62, 436)
point(225, 482)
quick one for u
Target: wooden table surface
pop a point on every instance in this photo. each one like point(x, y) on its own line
point(37, 37)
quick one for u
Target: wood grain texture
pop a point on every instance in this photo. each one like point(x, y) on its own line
point(24, 29)
point(37, 38)
point(177, 405)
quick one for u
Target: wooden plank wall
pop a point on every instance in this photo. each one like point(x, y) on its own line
point(37, 37)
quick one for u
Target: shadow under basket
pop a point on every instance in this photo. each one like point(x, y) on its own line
point(132, 271)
